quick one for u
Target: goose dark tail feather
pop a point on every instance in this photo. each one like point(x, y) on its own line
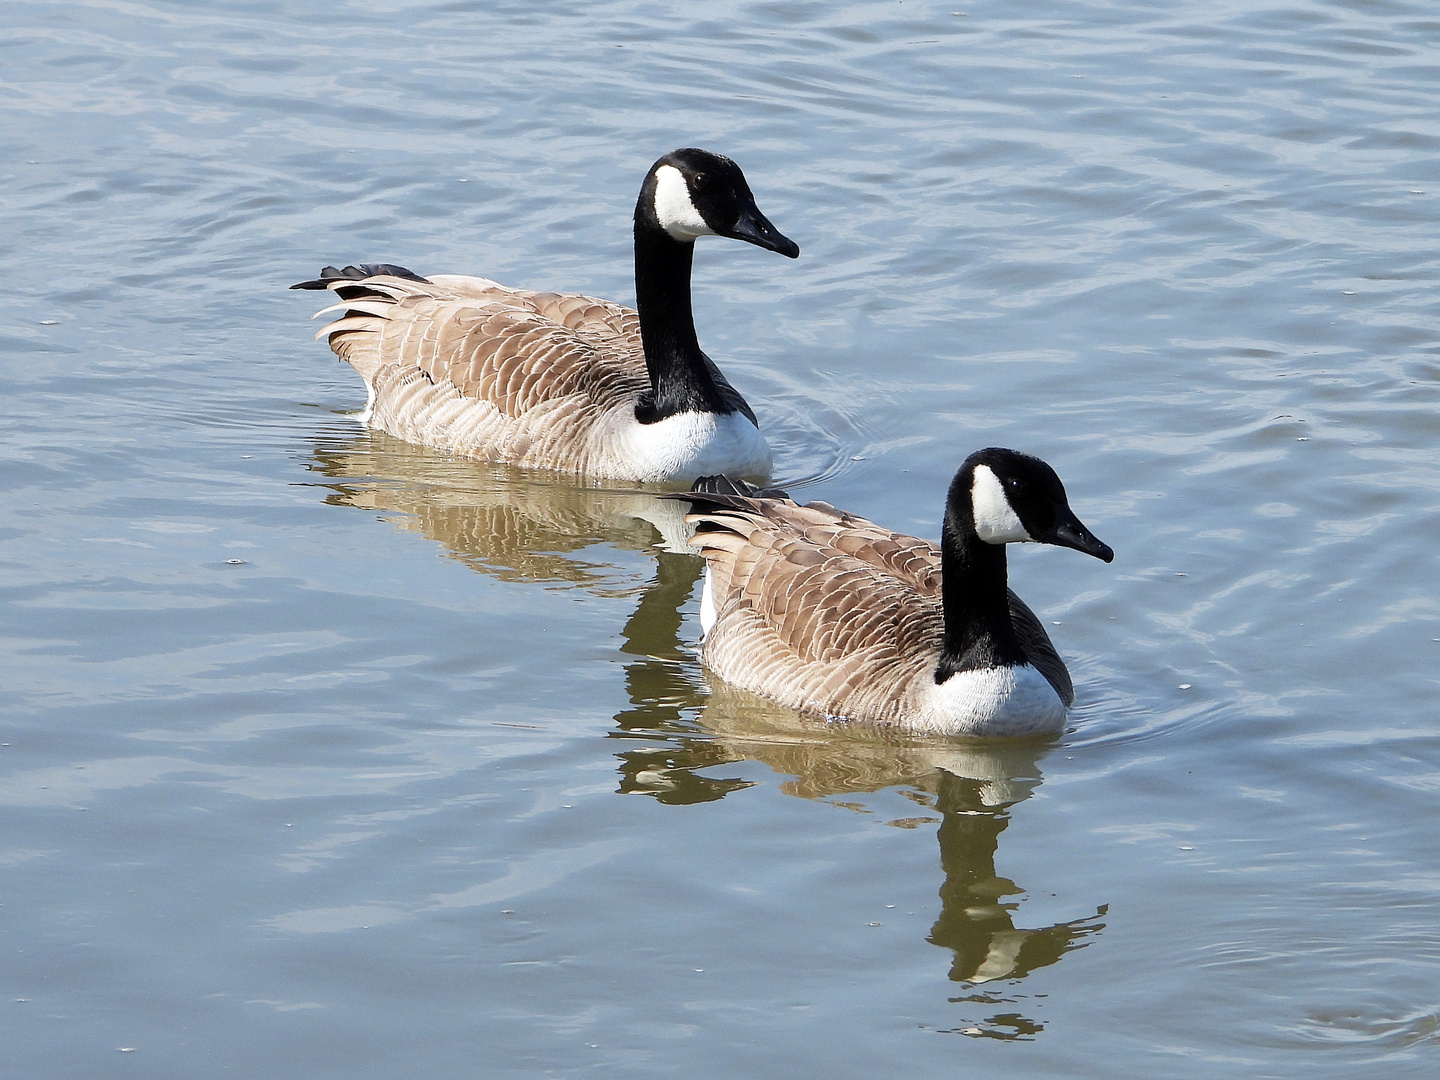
point(720, 484)
point(357, 273)
point(709, 492)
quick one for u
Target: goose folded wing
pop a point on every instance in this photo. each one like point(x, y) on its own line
point(508, 355)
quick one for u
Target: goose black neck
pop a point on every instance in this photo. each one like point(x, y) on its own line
point(976, 597)
point(680, 374)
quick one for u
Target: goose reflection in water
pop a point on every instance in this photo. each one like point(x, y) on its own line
point(968, 789)
point(504, 522)
point(511, 523)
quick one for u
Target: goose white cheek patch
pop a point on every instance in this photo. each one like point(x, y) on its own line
point(995, 520)
point(674, 210)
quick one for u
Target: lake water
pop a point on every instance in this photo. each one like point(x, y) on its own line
point(328, 756)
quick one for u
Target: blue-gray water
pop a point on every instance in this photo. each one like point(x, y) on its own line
point(326, 756)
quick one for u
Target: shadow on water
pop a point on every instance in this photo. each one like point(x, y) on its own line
point(518, 526)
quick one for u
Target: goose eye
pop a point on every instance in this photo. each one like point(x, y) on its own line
point(1016, 485)
point(699, 180)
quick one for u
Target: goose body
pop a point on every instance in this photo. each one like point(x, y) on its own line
point(835, 616)
point(561, 381)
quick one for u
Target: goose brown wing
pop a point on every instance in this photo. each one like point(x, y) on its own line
point(511, 348)
point(805, 622)
point(601, 323)
point(908, 558)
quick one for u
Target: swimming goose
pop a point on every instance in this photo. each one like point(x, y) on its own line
point(557, 381)
point(833, 615)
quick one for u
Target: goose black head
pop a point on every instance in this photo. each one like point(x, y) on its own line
point(1009, 498)
point(690, 193)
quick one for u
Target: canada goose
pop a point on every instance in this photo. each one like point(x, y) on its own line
point(557, 381)
point(833, 615)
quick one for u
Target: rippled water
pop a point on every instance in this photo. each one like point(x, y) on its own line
point(324, 755)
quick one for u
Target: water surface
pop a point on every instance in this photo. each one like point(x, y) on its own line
point(325, 755)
